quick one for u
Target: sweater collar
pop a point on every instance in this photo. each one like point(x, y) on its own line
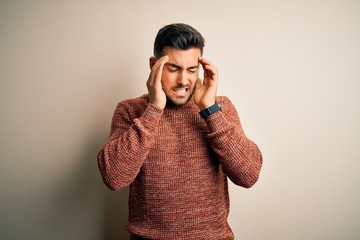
point(189, 105)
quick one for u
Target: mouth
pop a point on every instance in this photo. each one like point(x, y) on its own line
point(181, 91)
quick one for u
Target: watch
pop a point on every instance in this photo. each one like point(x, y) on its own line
point(205, 113)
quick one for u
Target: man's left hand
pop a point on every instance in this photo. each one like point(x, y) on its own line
point(205, 91)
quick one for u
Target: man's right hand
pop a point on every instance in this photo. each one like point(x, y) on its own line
point(154, 85)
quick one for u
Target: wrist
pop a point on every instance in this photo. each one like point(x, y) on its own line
point(203, 106)
point(206, 112)
point(160, 103)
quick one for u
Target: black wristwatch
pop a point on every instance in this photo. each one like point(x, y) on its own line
point(205, 113)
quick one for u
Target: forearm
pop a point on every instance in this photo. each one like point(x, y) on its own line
point(123, 155)
point(239, 157)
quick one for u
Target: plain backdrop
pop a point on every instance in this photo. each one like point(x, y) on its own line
point(292, 69)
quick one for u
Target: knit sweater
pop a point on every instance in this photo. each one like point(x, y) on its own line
point(177, 165)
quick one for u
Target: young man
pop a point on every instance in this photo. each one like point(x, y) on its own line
point(176, 146)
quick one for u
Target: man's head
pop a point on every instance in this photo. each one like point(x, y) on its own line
point(184, 46)
point(180, 36)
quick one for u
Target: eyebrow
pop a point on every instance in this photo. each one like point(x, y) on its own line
point(177, 66)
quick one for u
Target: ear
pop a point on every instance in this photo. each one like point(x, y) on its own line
point(152, 62)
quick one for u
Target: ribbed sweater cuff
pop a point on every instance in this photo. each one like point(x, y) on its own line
point(215, 122)
point(151, 117)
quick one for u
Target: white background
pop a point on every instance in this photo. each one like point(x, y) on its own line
point(292, 69)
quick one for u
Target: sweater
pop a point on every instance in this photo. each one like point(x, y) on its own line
point(177, 165)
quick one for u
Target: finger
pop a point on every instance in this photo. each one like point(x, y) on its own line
point(156, 70)
point(205, 61)
point(162, 61)
point(210, 70)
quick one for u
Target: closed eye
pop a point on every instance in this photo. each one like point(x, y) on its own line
point(192, 69)
point(172, 69)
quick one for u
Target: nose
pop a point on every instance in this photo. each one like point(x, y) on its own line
point(182, 78)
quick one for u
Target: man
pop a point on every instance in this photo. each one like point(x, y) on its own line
point(176, 160)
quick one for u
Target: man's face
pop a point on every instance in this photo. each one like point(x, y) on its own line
point(180, 74)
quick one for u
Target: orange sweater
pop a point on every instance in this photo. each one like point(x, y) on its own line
point(177, 165)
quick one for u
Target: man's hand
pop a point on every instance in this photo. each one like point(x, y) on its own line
point(154, 86)
point(205, 91)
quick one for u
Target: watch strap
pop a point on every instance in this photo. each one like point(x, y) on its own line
point(205, 113)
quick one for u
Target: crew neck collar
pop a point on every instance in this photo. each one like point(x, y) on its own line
point(190, 104)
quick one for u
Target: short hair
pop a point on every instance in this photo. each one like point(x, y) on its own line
point(178, 35)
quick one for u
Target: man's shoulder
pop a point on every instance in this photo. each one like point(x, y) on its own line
point(137, 104)
point(138, 101)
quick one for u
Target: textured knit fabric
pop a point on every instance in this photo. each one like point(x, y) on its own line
point(177, 165)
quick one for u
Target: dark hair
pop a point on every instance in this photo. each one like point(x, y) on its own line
point(177, 35)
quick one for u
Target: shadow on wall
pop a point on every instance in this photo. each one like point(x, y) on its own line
point(82, 207)
point(116, 212)
point(113, 206)
point(95, 211)
point(116, 203)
